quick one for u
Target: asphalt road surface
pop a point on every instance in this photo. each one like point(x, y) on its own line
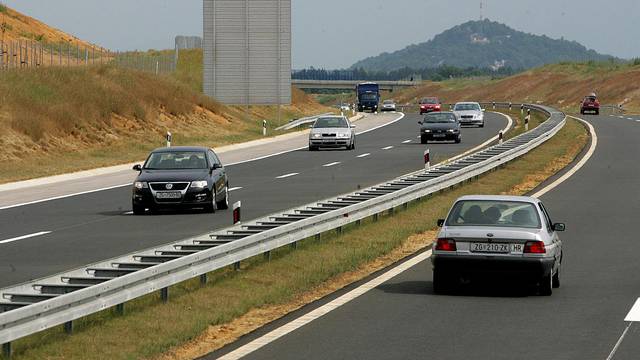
point(403, 319)
point(88, 228)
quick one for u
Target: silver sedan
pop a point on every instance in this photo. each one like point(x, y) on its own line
point(332, 132)
point(491, 237)
point(469, 113)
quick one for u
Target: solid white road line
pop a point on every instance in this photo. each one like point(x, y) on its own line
point(287, 175)
point(25, 237)
point(235, 188)
point(579, 165)
point(364, 155)
point(486, 143)
point(65, 196)
point(612, 354)
point(387, 148)
point(324, 309)
point(407, 141)
point(331, 164)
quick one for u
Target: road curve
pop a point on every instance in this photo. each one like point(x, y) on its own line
point(49, 237)
point(403, 319)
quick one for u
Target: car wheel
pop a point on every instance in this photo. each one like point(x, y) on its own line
point(423, 139)
point(458, 140)
point(224, 203)
point(138, 209)
point(211, 206)
point(545, 287)
point(441, 282)
point(481, 125)
point(581, 112)
point(597, 112)
point(556, 279)
point(313, 148)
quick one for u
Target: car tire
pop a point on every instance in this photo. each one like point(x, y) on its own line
point(224, 203)
point(481, 125)
point(597, 112)
point(545, 287)
point(441, 282)
point(458, 140)
point(138, 209)
point(313, 148)
point(353, 145)
point(423, 139)
point(211, 206)
point(556, 279)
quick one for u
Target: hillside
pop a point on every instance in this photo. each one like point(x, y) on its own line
point(482, 44)
point(17, 26)
point(560, 85)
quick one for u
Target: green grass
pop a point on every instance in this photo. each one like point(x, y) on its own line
point(3, 9)
point(150, 328)
point(518, 122)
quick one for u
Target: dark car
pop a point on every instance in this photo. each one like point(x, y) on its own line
point(440, 126)
point(430, 104)
point(180, 177)
point(590, 104)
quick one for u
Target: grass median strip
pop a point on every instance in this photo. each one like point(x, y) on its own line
point(199, 319)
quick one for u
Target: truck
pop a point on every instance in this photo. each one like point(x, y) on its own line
point(368, 96)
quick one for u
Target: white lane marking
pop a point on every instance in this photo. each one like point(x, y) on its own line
point(25, 237)
point(578, 166)
point(331, 164)
point(407, 141)
point(486, 143)
point(634, 313)
point(324, 309)
point(402, 115)
point(364, 155)
point(65, 196)
point(631, 118)
point(619, 342)
point(287, 175)
point(638, 120)
point(621, 117)
point(235, 188)
point(128, 213)
point(387, 148)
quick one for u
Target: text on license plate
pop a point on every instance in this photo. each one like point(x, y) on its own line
point(496, 248)
point(438, 135)
point(169, 195)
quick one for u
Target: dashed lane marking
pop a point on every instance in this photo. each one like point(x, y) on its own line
point(387, 148)
point(235, 188)
point(364, 155)
point(25, 237)
point(287, 175)
point(331, 164)
point(407, 141)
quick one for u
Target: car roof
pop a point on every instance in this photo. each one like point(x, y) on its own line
point(181, 148)
point(528, 199)
point(467, 102)
point(440, 112)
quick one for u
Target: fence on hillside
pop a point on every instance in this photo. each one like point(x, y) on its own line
point(17, 54)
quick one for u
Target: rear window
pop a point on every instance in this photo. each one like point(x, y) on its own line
point(467, 107)
point(494, 213)
point(330, 122)
point(429, 101)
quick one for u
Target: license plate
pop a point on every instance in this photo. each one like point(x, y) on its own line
point(439, 135)
point(169, 195)
point(496, 248)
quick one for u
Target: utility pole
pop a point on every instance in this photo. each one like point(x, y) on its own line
point(481, 11)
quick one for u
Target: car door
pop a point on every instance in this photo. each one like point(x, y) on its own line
point(555, 239)
point(219, 175)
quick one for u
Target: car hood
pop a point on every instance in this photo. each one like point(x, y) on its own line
point(330, 130)
point(439, 126)
point(478, 232)
point(172, 175)
point(468, 112)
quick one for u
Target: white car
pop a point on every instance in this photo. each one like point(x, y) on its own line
point(332, 132)
point(388, 105)
point(469, 113)
point(493, 237)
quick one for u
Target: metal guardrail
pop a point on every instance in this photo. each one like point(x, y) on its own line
point(302, 121)
point(36, 306)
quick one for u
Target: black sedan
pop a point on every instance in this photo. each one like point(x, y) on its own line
point(440, 126)
point(180, 177)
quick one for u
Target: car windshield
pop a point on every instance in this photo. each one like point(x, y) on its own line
point(467, 107)
point(372, 97)
point(388, 102)
point(494, 213)
point(330, 122)
point(440, 118)
point(429, 101)
point(178, 160)
point(590, 98)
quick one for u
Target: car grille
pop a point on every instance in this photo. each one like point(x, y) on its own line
point(328, 135)
point(467, 116)
point(162, 186)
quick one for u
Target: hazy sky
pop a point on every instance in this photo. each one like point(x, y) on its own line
point(337, 33)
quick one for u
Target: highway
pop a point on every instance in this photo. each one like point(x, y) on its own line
point(403, 319)
point(45, 238)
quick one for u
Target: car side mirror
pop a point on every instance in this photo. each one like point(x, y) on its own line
point(216, 167)
point(440, 222)
point(420, 122)
point(559, 227)
point(137, 167)
point(353, 126)
point(483, 110)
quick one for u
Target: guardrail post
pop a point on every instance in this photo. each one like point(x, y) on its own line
point(339, 230)
point(405, 206)
point(267, 256)
point(236, 266)
point(500, 137)
point(375, 217)
point(68, 327)
point(264, 127)
point(494, 105)
point(120, 309)
point(391, 211)
point(237, 212)
point(526, 122)
point(164, 294)
point(294, 245)
point(521, 109)
point(203, 279)
point(358, 222)
point(6, 350)
point(317, 237)
point(510, 106)
point(427, 160)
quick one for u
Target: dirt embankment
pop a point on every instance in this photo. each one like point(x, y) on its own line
point(561, 85)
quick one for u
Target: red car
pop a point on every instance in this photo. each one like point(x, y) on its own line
point(430, 104)
point(590, 104)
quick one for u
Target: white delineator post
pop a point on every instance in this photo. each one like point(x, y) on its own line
point(427, 160)
point(500, 137)
point(237, 215)
point(526, 122)
point(264, 127)
point(169, 138)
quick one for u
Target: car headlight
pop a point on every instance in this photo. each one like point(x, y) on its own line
point(451, 130)
point(140, 185)
point(343, 135)
point(316, 136)
point(199, 184)
point(427, 130)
